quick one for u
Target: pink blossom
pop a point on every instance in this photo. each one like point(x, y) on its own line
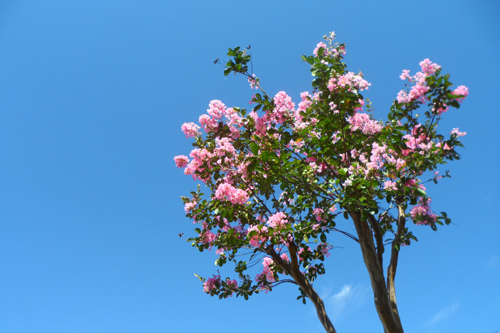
point(285, 258)
point(232, 283)
point(428, 68)
point(216, 109)
point(190, 129)
point(317, 212)
point(278, 220)
point(417, 92)
point(267, 274)
point(446, 147)
point(189, 206)
point(457, 133)
point(284, 105)
point(211, 284)
point(324, 248)
point(363, 122)
point(260, 238)
point(207, 237)
point(208, 124)
point(390, 185)
point(405, 75)
point(461, 91)
point(302, 250)
point(226, 192)
point(224, 147)
point(403, 97)
point(320, 45)
point(253, 82)
point(181, 161)
point(422, 214)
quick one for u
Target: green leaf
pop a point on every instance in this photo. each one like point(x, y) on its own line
point(254, 148)
point(323, 238)
point(421, 192)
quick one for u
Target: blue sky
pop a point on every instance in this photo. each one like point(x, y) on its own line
point(92, 97)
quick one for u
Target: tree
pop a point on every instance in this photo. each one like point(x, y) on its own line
point(279, 176)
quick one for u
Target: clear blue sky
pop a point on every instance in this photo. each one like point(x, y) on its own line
point(92, 97)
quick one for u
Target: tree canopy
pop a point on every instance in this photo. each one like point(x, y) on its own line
point(279, 175)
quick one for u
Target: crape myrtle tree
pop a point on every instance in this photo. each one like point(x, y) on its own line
point(279, 175)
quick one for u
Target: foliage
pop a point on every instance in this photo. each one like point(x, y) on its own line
point(279, 176)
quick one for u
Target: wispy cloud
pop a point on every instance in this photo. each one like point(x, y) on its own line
point(443, 314)
point(341, 298)
point(346, 300)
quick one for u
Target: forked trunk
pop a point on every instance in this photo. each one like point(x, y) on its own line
point(387, 310)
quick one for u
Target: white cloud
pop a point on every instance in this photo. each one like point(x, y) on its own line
point(341, 298)
point(348, 299)
point(443, 314)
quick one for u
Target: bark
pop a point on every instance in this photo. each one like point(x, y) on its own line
point(294, 271)
point(393, 264)
point(388, 317)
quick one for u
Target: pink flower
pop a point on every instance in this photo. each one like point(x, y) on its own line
point(324, 249)
point(267, 274)
point(428, 67)
point(405, 75)
point(320, 45)
point(190, 129)
point(216, 109)
point(189, 206)
point(461, 91)
point(207, 237)
point(181, 161)
point(317, 212)
point(390, 185)
point(285, 258)
point(253, 82)
point(211, 284)
point(226, 192)
point(260, 238)
point(284, 105)
point(403, 97)
point(208, 124)
point(422, 214)
point(232, 284)
point(278, 220)
point(457, 133)
point(363, 122)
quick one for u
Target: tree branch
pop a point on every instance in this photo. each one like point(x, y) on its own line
point(393, 264)
point(377, 232)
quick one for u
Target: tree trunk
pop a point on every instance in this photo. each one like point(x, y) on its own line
point(293, 270)
point(320, 307)
point(388, 316)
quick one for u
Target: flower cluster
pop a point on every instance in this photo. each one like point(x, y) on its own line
point(278, 220)
point(226, 192)
point(190, 129)
point(363, 122)
point(422, 214)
